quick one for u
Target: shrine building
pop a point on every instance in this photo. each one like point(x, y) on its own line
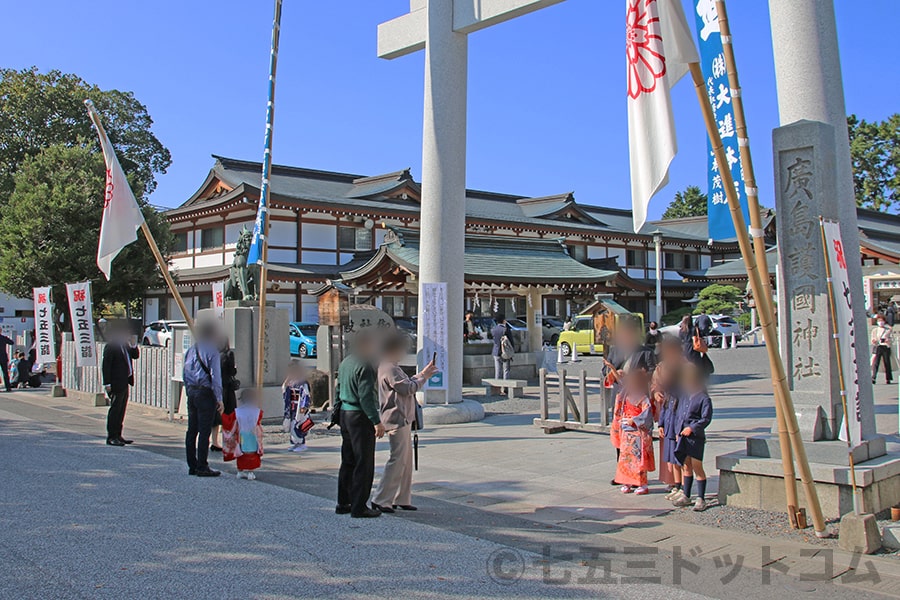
point(364, 230)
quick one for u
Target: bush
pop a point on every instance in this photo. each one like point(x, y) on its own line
point(718, 299)
point(743, 320)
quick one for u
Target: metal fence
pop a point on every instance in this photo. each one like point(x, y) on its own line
point(152, 375)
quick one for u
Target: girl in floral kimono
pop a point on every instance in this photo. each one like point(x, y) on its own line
point(295, 392)
point(242, 435)
point(633, 422)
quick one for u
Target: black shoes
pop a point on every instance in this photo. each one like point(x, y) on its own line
point(115, 443)
point(215, 448)
point(124, 441)
point(404, 507)
point(207, 472)
point(192, 471)
point(384, 509)
point(369, 513)
point(342, 509)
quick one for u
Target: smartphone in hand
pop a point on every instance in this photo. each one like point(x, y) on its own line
point(434, 358)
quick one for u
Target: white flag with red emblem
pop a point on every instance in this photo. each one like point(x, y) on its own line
point(659, 49)
point(121, 214)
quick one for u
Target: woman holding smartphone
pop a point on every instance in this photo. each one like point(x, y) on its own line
point(397, 396)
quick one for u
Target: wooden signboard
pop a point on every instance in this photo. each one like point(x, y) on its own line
point(334, 308)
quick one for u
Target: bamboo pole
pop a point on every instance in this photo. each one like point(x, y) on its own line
point(759, 250)
point(747, 255)
point(857, 500)
point(264, 200)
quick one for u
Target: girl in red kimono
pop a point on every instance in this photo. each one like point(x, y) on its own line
point(632, 428)
point(242, 435)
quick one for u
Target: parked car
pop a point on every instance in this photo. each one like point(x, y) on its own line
point(550, 330)
point(303, 339)
point(722, 325)
point(159, 333)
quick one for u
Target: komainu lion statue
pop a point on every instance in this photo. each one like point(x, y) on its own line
point(241, 284)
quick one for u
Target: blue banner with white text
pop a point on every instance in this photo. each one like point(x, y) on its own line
point(712, 60)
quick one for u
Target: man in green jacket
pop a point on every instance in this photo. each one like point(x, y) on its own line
point(360, 426)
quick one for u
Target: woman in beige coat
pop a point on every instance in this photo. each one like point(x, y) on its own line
point(397, 395)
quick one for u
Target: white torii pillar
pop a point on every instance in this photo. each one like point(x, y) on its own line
point(810, 87)
point(440, 28)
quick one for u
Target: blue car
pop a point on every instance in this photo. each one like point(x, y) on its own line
point(303, 339)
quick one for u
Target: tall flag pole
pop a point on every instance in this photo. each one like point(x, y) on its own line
point(259, 247)
point(714, 32)
point(648, 25)
point(122, 217)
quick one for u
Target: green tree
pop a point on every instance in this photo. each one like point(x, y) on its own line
point(49, 229)
point(718, 299)
point(689, 203)
point(38, 110)
point(875, 152)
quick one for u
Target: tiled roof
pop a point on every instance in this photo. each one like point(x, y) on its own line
point(493, 259)
point(359, 192)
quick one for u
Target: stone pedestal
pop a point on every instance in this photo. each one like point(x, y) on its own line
point(241, 325)
point(754, 482)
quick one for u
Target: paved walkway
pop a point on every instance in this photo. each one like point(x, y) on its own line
point(505, 510)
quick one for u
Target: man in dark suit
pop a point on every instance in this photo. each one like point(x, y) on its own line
point(118, 376)
point(4, 360)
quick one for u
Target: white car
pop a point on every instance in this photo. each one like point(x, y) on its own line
point(722, 325)
point(159, 333)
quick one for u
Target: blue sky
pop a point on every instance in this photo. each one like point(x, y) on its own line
point(546, 91)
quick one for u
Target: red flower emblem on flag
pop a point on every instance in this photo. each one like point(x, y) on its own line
point(644, 47)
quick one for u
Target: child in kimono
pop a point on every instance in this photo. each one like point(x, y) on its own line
point(665, 395)
point(694, 414)
point(295, 391)
point(242, 435)
point(633, 420)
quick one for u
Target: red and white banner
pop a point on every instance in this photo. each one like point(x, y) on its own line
point(659, 48)
point(218, 299)
point(44, 340)
point(846, 330)
point(81, 311)
point(121, 214)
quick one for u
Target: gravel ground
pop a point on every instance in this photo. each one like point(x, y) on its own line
point(753, 521)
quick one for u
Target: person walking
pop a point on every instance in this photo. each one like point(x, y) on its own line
point(654, 335)
point(705, 325)
point(203, 382)
point(502, 350)
point(397, 397)
point(881, 349)
point(118, 376)
point(4, 360)
point(361, 425)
